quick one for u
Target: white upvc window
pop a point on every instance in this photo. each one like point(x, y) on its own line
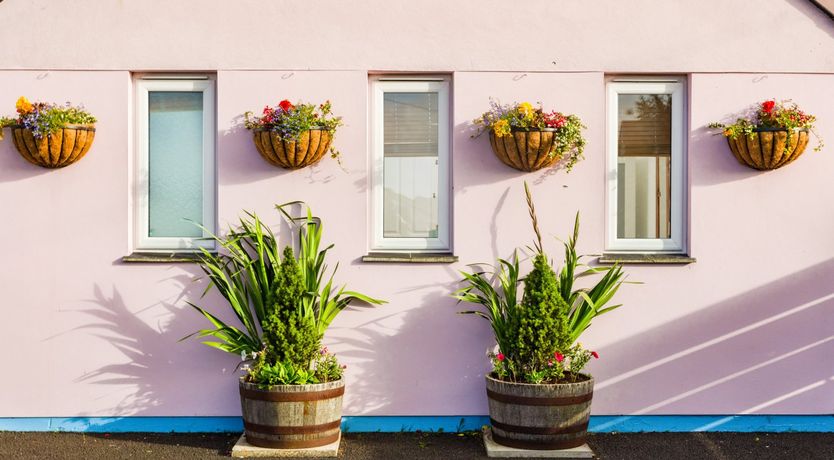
point(646, 166)
point(410, 165)
point(175, 163)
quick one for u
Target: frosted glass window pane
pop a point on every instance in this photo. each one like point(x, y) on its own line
point(175, 157)
point(410, 174)
point(644, 167)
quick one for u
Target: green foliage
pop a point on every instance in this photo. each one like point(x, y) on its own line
point(322, 301)
point(540, 328)
point(245, 271)
point(283, 304)
point(266, 373)
point(44, 118)
point(500, 304)
point(537, 337)
point(289, 335)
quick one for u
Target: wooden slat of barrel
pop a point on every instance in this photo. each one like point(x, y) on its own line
point(292, 416)
point(539, 417)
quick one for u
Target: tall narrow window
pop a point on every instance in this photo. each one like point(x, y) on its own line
point(410, 126)
point(175, 131)
point(646, 166)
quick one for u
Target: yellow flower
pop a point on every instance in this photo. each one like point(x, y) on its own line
point(23, 105)
point(501, 128)
point(525, 109)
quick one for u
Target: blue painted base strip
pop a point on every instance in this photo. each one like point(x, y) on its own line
point(395, 424)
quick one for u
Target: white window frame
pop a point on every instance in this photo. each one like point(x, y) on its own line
point(184, 244)
point(677, 243)
point(379, 86)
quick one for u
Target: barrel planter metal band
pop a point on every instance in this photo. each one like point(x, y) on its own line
point(61, 148)
point(265, 395)
point(768, 148)
point(292, 416)
point(307, 150)
point(525, 150)
point(540, 417)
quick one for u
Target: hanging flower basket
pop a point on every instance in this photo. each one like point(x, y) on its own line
point(771, 136)
point(55, 150)
point(294, 136)
point(769, 148)
point(525, 150)
point(50, 135)
point(306, 150)
point(528, 139)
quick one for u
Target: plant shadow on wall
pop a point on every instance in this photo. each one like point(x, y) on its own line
point(153, 372)
point(413, 359)
point(764, 351)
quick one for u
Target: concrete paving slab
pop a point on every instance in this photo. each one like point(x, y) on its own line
point(243, 449)
point(495, 450)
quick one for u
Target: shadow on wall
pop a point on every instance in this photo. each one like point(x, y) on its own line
point(821, 20)
point(12, 166)
point(745, 355)
point(155, 367)
point(416, 369)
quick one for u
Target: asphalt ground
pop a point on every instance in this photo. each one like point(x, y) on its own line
point(361, 446)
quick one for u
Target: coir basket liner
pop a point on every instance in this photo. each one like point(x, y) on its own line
point(307, 150)
point(525, 150)
point(61, 148)
point(767, 149)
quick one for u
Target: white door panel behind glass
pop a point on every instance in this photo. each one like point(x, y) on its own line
point(410, 184)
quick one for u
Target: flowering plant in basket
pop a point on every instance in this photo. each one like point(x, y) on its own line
point(503, 120)
point(44, 118)
point(290, 120)
point(768, 115)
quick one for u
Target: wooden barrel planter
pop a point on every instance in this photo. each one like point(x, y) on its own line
point(769, 148)
point(540, 417)
point(62, 148)
point(525, 150)
point(292, 416)
point(307, 150)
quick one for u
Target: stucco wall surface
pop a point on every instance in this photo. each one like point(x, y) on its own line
point(748, 328)
point(425, 35)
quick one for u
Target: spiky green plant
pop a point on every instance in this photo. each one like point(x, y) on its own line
point(246, 271)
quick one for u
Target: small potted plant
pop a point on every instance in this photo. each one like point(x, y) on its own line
point(294, 136)
point(291, 393)
point(50, 135)
point(528, 138)
point(770, 135)
point(539, 398)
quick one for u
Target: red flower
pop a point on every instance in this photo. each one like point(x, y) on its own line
point(767, 106)
point(595, 354)
point(500, 356)
point(559, 357)
point(286, 105)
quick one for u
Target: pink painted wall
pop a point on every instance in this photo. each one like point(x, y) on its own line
point(437, 35)
point(747, 329)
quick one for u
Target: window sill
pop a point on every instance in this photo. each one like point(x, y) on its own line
point(162, 258)
point(410, 257)
point(646, 259)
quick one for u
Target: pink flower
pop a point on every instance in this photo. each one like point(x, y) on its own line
point(500, 356)
point(595, 354)
point(559, 357)
point(550, 363)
